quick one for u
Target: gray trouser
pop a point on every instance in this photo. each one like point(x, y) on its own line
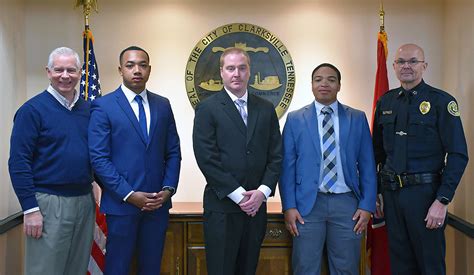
point(329, 222)
point(68, 230)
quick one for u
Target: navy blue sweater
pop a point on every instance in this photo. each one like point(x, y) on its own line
point(48, 150)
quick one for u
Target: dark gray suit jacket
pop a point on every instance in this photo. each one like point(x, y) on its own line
point(230, 154)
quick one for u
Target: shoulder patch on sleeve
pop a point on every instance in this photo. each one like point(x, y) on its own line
point(453, 108)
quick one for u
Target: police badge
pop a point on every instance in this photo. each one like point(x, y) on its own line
point(425, 107)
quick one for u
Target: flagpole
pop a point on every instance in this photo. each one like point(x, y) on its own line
point(377, 248)
point(87, 6)
point(90, 90)
point(382, 18)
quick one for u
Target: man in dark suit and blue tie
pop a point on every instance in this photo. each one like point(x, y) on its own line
point(134, 149)
point(328, 182)
point(237, 144)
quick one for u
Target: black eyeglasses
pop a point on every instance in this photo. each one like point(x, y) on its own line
point(411, 62)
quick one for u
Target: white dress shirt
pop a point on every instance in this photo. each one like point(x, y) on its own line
point(134, 104)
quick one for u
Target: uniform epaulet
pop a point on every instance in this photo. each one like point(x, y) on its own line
point(440, 92)
point(390, 92)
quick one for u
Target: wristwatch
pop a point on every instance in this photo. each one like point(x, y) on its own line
point(443, 200)
point(170, 189)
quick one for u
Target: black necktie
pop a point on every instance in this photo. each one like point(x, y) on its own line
point(401, 133)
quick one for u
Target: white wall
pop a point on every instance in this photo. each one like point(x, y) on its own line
point(342, 32)
point(12, 90)
point(458, 70)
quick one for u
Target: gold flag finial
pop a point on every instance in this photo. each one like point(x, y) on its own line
point(87, 5)
point(382, 17)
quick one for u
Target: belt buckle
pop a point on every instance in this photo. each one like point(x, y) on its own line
point(400, 182)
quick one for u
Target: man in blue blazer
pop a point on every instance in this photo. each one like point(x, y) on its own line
point(328, 181)
point(134, 149)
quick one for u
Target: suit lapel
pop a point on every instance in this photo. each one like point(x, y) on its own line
point(311, 120)
point(154, 110)
point(344, 128)
point(253, 112)
point(231, 110)
point(127, 109)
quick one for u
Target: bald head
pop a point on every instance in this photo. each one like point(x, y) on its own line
point(411, 48)
point(409, 65)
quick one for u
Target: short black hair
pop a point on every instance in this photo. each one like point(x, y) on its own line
point(132, 48)
point(338, 73)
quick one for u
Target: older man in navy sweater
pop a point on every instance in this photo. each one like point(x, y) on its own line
point(50, 172)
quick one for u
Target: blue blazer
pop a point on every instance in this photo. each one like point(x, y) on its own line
point(122, 159)
point(302, 157)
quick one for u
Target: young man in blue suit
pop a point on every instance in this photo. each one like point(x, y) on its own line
point(328, 182)
point(134, 149)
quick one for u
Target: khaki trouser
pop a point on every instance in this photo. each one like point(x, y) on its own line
point(68, 230)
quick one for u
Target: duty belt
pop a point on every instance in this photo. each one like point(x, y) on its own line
point(392, 181)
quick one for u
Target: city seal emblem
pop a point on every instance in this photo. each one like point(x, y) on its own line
point(272, 72)
point(453, 108)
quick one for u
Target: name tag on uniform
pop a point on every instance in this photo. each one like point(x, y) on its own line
point(388, 112)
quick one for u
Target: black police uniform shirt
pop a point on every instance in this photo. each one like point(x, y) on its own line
point(435, 136)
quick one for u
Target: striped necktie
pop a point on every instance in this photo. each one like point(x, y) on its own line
point(329, 150)
point(241, 106)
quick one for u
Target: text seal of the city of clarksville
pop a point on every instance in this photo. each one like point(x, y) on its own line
point(272, 72)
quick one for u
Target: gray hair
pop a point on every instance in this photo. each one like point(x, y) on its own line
point(63, 51)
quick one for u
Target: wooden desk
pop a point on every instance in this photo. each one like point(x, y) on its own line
point(184, 251)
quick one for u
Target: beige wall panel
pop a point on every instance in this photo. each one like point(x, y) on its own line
point(341, 32)
point(458, 79)
point(12, 90)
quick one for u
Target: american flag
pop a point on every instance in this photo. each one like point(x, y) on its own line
point(90, 90)
point(90, 82)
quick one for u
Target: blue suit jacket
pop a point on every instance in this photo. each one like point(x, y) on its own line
point(122, 159)
point(299, 182)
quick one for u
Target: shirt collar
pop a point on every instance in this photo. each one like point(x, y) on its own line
point(234, 98)
point(414, 91)
point(130, 95)
point(61, 99)
point(333, 106)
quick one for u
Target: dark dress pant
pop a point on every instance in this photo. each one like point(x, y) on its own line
point(414, 249)
point(233, 241)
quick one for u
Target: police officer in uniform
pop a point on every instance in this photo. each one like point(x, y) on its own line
point(421, 153)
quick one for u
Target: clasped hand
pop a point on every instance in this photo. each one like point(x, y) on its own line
point(149, 201)
point(251, 202)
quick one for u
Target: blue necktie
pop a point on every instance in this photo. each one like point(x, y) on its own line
point(142, 116)
point(241, 105)
point(329, 150)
